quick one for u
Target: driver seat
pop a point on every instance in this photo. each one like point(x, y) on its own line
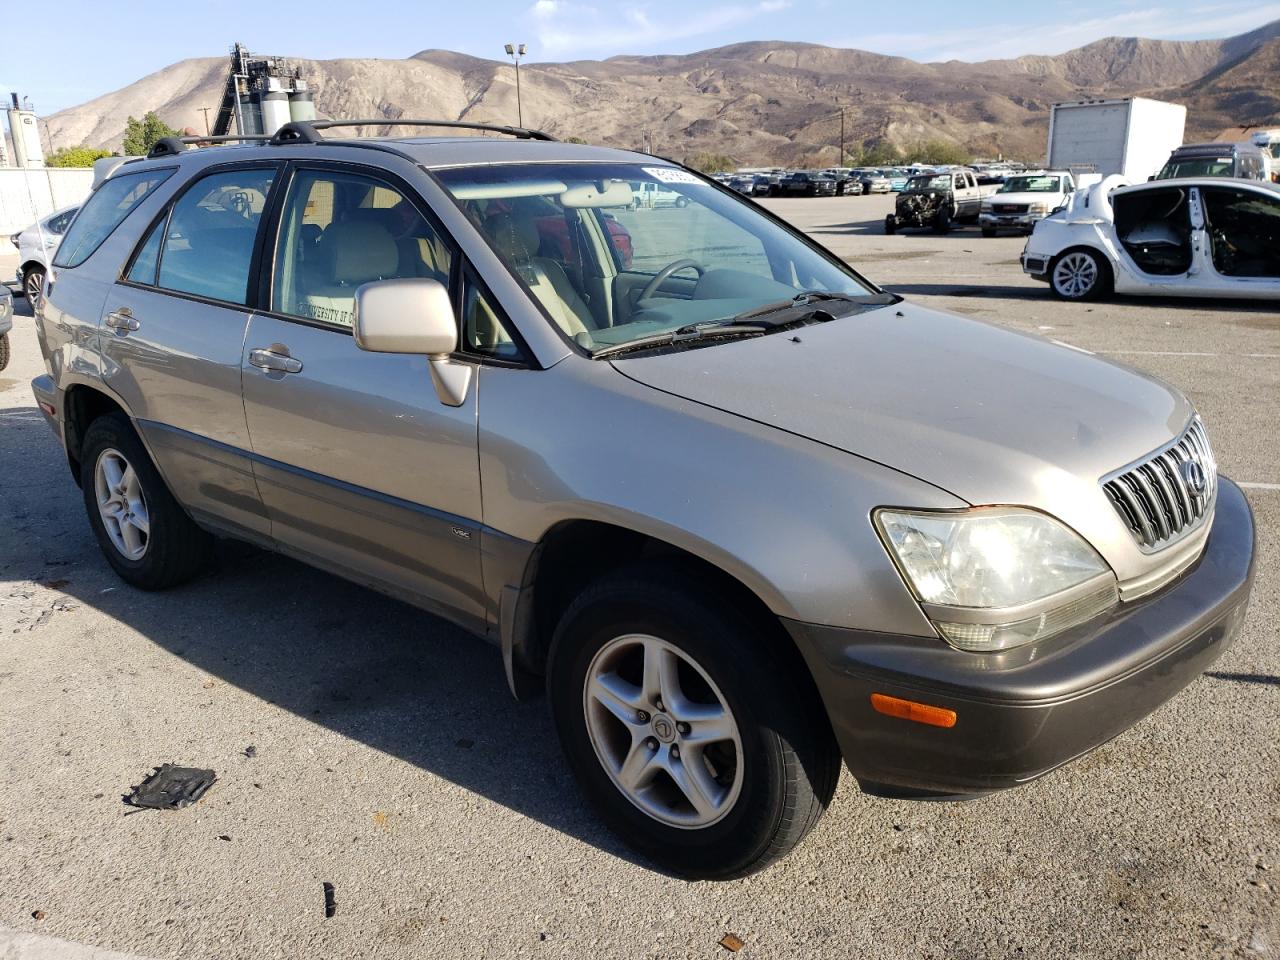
point(516, 239)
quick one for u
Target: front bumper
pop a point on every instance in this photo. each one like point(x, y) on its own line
point(1009, 221)
point(1024, 712)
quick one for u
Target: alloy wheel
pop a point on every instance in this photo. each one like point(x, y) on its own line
point(663, 731)
point(121, 504)
point(33, 286)
point(1075, 275)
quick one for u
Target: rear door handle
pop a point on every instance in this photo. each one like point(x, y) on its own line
point(122, 321)
point(273, 359)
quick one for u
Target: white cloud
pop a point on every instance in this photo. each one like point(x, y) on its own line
point(998, 41)
point(566, 28)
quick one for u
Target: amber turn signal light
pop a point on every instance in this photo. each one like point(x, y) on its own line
point(910, 710)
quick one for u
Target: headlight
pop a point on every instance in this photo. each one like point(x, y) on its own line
point(993, 578)
point(986, 206)
point(1040, 208)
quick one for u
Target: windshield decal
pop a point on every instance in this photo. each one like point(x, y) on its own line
point(671, 175)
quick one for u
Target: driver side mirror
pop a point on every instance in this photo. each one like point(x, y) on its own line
point(413, 315)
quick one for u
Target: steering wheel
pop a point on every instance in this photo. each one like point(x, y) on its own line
point(662, 275)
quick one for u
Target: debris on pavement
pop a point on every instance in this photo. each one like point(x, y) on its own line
point(38, 914)
point(732, 942)
point(171, 788)
point(251, 751)
point(330, 904)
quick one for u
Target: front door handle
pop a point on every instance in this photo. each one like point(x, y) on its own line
point(122, 321)
point(274, 358)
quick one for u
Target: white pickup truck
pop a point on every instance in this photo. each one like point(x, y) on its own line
point(938, 200)
point(1023, 199)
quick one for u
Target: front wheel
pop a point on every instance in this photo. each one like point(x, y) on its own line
point(682, 202)
point(890, 224)
point(698, 741)
point(1080, 275)
point(146, 536)
point(942, 222)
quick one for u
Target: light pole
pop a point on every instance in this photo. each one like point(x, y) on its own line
point(515, 52)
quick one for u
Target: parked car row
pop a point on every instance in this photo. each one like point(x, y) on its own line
point(37, 245)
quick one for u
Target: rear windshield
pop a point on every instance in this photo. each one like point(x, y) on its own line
point(104, 211)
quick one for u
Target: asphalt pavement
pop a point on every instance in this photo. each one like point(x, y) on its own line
point(389, 761)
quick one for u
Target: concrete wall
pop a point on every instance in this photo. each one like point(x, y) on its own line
point(27, 195)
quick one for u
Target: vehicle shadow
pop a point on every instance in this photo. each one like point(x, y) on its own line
point(1004, 292)
point(370, 668)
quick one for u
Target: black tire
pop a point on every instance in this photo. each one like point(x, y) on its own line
point(176, 549)
point(988, 232)
point(4, 350)
point(1102, 283)
point(942, 222)
point(790, 763)
point(682, 202)
point(890, 224)
point(33, 280)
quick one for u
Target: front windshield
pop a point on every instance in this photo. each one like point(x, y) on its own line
point(616, 252)
point(1198, 167)
point(1033, 184)
point(937, 181)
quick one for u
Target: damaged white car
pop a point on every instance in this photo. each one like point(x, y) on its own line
point(1194, 237)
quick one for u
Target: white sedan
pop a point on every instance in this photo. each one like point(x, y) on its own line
point(1195, 237)
point(36, 246)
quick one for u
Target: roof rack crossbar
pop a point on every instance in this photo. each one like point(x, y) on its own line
point(308, 131)
point(170, 146)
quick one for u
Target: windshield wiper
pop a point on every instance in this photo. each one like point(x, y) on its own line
point(764, 319)
point(692, 331)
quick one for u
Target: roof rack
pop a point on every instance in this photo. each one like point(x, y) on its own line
point(307, 131)
point(171, 146)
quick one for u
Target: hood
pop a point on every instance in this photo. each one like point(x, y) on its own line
point(985, 413)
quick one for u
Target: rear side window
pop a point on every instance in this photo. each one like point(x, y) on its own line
point(340, 230)
point(104, 211)
point(208, 244)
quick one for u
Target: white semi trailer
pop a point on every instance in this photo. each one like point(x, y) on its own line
point(1132, 136)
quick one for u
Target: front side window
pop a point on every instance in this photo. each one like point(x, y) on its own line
point(1244, 231)
point(208, 243)
point(562, 229)
point(105, 210)
point(341, 230)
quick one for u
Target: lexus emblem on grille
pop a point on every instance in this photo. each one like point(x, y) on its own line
point(1193, 475)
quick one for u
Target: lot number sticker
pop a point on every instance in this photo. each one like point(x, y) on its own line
point(671, 175)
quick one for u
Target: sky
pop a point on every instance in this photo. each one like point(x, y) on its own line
point(96, 49)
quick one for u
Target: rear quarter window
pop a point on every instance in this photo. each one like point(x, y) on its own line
point(105, 210)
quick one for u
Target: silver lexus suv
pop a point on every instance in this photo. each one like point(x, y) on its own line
point(740, 512)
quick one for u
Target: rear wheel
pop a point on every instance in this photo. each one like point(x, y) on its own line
point(148, 539)
point(1080, 274)
point(33, 285)
point(695, 738)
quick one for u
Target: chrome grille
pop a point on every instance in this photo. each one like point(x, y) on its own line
point(1009, 207)
point(1167, 494)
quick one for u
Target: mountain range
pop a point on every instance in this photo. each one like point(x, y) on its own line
point(759, 102)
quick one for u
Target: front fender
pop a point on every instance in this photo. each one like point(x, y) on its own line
point(786, 516)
